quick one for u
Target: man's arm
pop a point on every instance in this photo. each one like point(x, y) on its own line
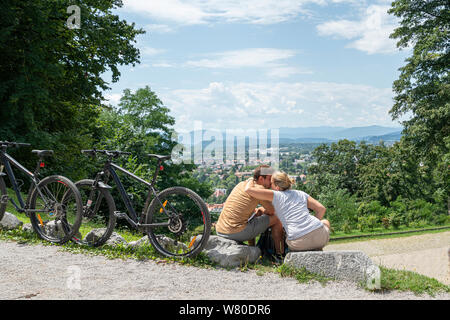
point(258, 193)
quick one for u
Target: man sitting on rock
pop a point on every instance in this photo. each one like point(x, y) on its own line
point(234, 220)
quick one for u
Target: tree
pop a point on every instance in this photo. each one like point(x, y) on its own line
point(51, 80)
point(141, 124)
point(339, 159)
point(423, 87)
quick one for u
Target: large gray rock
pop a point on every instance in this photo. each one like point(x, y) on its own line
point(229, 253)
point(95, 234)
point(115, 239)
point(144, 241)
point(10, 222)
point(55, 229)
point(340, 265)
point(27, 227)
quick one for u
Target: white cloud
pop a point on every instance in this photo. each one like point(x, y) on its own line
point(149, 51)
point(193, 12)
point(285, 72)
point(279, 104)
point(158, 28)
point(171, 10)
point(162, 65)
point(269, 59)
point(257, 57)
point(370, 34)
point(113, 98)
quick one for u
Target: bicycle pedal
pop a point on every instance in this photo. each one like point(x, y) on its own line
point(4, 199)
point(120, 215)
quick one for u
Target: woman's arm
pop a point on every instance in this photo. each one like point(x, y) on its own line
point(258, 193)
point(317, 207)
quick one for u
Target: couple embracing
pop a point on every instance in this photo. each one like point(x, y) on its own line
point(284, 210)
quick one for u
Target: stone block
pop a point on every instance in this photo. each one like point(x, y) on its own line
point(339, 265)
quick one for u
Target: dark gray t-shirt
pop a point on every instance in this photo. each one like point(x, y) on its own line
point(291, 207)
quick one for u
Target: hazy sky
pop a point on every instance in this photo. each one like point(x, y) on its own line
point(266, 63)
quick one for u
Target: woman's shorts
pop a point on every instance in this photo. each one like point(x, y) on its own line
point(254, 227)
point(316, 239)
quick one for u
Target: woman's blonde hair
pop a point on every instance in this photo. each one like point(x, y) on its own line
point(282, 180)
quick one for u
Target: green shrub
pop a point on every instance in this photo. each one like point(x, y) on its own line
point(423, 210)
point(400, 205)
point(372, 208)
point(372, 221)
point(367, 222)
point(341, 207)
point(418, 224)
point(441, 219)
point(395, 219)
point(347, 227)
point(385, 221)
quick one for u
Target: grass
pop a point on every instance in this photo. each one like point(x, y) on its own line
point(387, 236)
point(301, 274)
point(381, 230)
point(403, 280)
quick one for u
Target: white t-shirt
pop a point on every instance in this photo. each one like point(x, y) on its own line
point(291, 207)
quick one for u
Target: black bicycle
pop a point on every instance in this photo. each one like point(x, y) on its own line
point(176, 220)
point(53, 204)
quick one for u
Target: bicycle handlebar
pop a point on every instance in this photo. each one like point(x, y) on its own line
point(14, 144)
point(111, 153)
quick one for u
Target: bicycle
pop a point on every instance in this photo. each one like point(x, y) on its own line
point(176, 220)
point(53, 204)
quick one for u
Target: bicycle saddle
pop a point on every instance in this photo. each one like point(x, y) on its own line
point(158, 156)
point(43, 153)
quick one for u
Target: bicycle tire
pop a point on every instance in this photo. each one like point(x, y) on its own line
point(3, 193)
point(60, 211)
point(179, 240)
point(96, 227)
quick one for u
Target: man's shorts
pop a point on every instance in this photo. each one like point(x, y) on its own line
point(316, 239)
point(254, 227)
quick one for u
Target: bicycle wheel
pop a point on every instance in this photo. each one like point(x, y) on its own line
point(3, 198)
point(55, 209)
point(189, 223)
point(98, 220)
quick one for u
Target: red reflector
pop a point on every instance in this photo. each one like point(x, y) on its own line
point(161, 168)
point(42, 164)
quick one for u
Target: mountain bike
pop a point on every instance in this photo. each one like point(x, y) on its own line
point(176, 220)
point(53, 204)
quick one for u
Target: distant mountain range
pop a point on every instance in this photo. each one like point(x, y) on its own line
point(370, 134)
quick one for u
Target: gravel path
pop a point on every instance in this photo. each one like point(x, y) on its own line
point(426, 254)
point(45, 272)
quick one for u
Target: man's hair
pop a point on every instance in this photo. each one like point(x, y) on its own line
point(262, 171)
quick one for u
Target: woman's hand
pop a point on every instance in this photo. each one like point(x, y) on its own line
point(259, 211)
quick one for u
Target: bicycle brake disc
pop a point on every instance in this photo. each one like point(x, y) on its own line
point(177, 225)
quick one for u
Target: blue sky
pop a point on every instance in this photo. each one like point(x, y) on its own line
point(265, 63)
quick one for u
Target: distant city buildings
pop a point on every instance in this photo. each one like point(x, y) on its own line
point(224, 175)
point(219, 192)
point(215, 207)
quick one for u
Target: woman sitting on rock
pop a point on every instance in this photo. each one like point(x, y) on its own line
point(304, 231)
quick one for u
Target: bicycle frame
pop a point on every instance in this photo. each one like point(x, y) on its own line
point(134, 221)
point(7, 160)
